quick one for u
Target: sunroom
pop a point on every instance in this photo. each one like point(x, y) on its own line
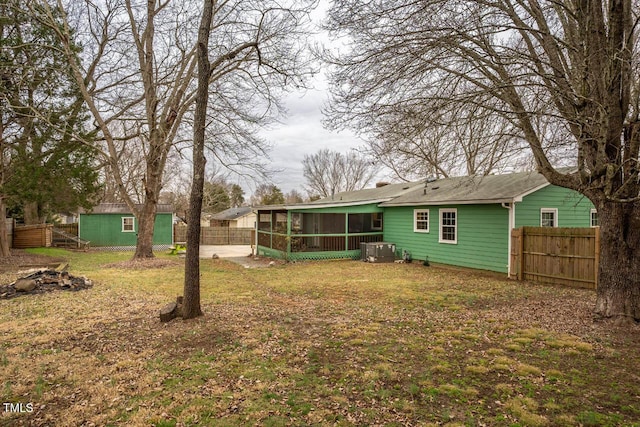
point(308, 232)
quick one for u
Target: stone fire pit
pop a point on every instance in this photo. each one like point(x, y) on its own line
point(38, 281)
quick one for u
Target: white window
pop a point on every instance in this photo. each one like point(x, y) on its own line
point(449, 226)
point(548, 217)
point(595, 221)
point(376, 221)
point(421, 220)
point(128, 224)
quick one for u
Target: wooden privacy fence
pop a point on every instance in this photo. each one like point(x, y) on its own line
point(564, 256)
point(32, 236)
point(217, 235)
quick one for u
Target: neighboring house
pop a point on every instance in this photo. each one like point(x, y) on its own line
point(65, 218)
point(463, 221)
point(242, 217)
point(113, 224)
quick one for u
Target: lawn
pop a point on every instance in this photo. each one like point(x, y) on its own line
point(320, 343)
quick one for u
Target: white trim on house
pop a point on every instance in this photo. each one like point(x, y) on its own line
point(512, 225)
point(125, 227)
point(519, 197)
point(597, 219)
point(415, 221)
point(554, 211)
point(441, 227)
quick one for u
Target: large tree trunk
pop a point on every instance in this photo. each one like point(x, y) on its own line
point(619, 271)
point(4, 238)
point(152, 185)
point(32, 214)
point(146, 221)
point(191, 303)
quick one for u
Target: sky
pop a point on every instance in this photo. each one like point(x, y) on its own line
point(301, 132)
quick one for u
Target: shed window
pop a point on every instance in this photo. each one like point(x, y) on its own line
point(421, 220)
point(548, 217)
point(595, 221)
point(449, 226)
point(128, 224)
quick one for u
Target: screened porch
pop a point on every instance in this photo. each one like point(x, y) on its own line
point(316, 235)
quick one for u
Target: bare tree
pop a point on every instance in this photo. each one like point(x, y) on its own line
point(563, 74)
point(191, 306)
point(416, 141)
point(328, 172)
point(138, 76)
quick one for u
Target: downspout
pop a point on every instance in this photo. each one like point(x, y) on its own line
point(512, 224)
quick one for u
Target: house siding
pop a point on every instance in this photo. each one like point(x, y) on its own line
point(247, 221)
point(106, 229)
point(482, 236)
point(574, 209)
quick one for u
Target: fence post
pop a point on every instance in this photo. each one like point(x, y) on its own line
point(596, 256)
point(516, 254)
point(521, 253)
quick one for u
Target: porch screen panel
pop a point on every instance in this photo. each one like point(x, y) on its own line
point(264, 221)
point(365, 222)
point(280, 222)
point(332, 223)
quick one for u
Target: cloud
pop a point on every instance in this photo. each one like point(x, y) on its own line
point(302, 133)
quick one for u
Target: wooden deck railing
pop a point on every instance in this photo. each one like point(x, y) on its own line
point(316, 242)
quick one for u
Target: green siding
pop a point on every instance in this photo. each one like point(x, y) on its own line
point(482, 236)
point(106, 230)
point(574, 209)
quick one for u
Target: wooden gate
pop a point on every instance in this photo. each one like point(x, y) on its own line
point(565, 256)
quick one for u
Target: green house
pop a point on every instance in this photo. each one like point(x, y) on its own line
point(462, 221)
point(113, 225)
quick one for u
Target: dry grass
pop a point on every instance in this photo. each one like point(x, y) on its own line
point(327, 343)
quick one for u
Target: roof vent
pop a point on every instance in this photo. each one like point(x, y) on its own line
point(381, 184)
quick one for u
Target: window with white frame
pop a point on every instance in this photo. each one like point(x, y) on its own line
point(595, 221)
point(448, 226)
point(376, 221)
point(548, 217)
point(128, 224)
point(421, 220)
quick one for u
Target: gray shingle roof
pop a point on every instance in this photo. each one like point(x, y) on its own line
point(122, 208)
point(371, 195)
point(455, 190)
point(471, 190)
point(232, 213)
